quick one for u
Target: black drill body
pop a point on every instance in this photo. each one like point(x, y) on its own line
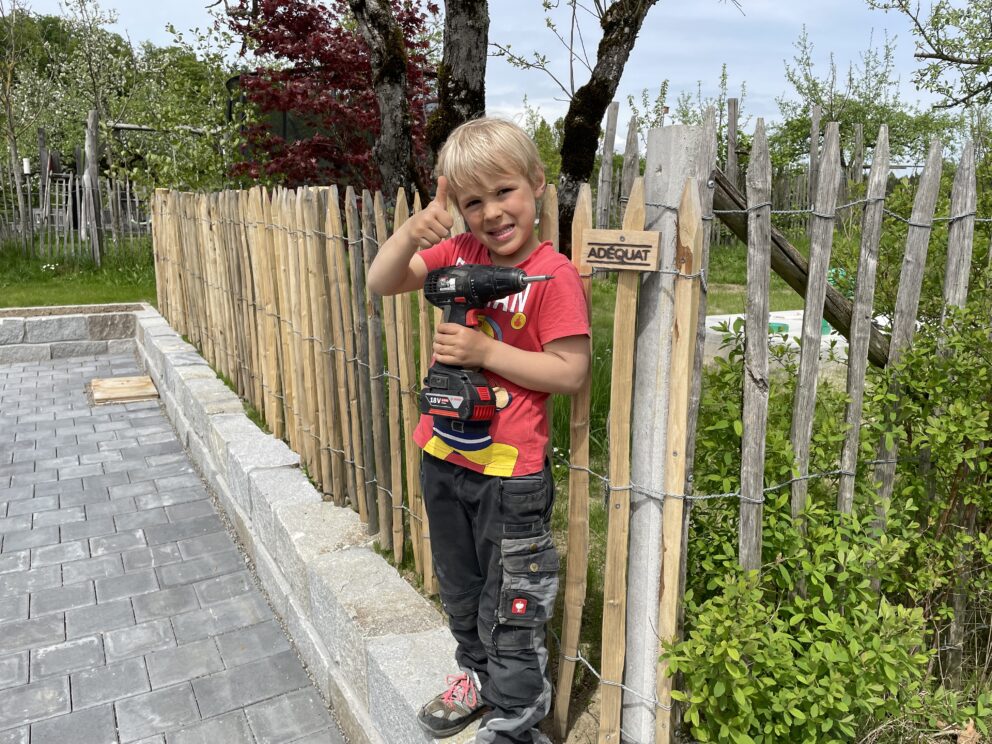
point(455, 393)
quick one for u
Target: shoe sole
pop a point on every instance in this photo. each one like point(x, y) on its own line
point(454, 728)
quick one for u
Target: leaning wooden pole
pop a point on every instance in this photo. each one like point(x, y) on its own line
point(730, 205)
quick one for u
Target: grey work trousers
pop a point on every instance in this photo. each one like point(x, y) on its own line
point(497, 570)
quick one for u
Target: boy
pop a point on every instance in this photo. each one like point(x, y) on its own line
point(489, 500)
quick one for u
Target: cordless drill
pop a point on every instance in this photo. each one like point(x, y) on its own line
point(463, 398)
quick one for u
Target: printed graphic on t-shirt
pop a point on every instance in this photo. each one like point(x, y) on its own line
point(514, 442)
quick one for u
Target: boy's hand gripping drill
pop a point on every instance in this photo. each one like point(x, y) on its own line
point(456, 393)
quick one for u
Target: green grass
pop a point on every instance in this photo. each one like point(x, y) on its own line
point(27, 282)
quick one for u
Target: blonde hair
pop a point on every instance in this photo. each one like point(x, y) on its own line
point(488, 145)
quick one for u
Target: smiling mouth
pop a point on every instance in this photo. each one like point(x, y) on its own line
point(502, 233)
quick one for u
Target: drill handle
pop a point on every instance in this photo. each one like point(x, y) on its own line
point(461, 314)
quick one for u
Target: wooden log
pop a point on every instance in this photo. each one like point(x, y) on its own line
point(577, 561)
point(338, 301)
point(821, 243)
point(730, 206)
point(411, 411)
point(759, 183)
point(395, 482)
point(686, 301)
point(908, 301)
point(861, 317)
point(615, 582)
point(304, 411)
point(380, 424)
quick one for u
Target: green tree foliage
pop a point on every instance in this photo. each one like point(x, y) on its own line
point(805, 650)
point(867, 94)
point(70, 64)
point(954, 47)
point(547, 137)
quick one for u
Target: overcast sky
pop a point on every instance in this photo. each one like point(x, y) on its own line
point(685, 42)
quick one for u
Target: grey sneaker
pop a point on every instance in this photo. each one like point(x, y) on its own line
point(454, 709)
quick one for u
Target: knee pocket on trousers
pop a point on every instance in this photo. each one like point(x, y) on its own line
point(529, 581)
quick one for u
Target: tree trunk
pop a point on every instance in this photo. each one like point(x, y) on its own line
point(393, 152)
point(621, 23)
point(461, 78)
point(23, 208)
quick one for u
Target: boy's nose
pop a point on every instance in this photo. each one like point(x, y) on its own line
point(492, 211)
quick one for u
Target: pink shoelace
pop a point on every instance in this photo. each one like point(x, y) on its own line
point(461, 689)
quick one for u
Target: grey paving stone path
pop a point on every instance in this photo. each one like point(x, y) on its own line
point(126, 612)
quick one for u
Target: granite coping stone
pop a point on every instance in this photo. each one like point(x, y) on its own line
point(350, 614)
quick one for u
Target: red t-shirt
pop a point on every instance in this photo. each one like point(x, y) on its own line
point(543, 312)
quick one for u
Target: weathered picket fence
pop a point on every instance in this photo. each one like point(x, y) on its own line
point(270, 285)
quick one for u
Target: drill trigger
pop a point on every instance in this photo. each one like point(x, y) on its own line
point(472, 317)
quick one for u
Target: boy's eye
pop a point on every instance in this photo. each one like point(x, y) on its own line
point(471, 203)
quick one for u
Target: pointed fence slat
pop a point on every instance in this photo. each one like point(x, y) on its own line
point(337, 297)
point(410, 409)
point(356, 248)
point(313, 212)
point(393, 391)
point(908, 300)
point(759, 183)
point(861, 317)
point(961, 235)
point(604, 189)
point(578, 495)
point(618, 530)
point(821, 242)
point(380, 424)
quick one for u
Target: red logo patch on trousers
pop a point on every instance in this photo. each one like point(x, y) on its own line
point(519, 606)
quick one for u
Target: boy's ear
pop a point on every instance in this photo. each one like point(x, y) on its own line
point(542, 184)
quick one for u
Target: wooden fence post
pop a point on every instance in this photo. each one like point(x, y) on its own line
point(674, 154)
point(686, 301)
point(91, 184)
point(380, 425)
point(821, 242)
point(759, 182)
point(578, 493)
point(605, 185)
point(908, 301)
point(732, 113)
point(861, 317)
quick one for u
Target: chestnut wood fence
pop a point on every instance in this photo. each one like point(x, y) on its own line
point(270, 285)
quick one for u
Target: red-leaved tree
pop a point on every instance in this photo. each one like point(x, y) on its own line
point(313, 82)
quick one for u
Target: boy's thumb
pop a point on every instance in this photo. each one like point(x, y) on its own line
point(441, 197)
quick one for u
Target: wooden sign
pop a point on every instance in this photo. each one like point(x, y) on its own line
point(629, 250)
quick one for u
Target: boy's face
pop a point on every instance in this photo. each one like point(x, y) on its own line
point(500, 209)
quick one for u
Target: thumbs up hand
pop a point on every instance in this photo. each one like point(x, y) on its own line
point(432, 224)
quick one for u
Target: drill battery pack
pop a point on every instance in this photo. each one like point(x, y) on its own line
point(458, 394)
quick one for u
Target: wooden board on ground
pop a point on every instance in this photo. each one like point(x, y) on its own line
point(122, 389)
